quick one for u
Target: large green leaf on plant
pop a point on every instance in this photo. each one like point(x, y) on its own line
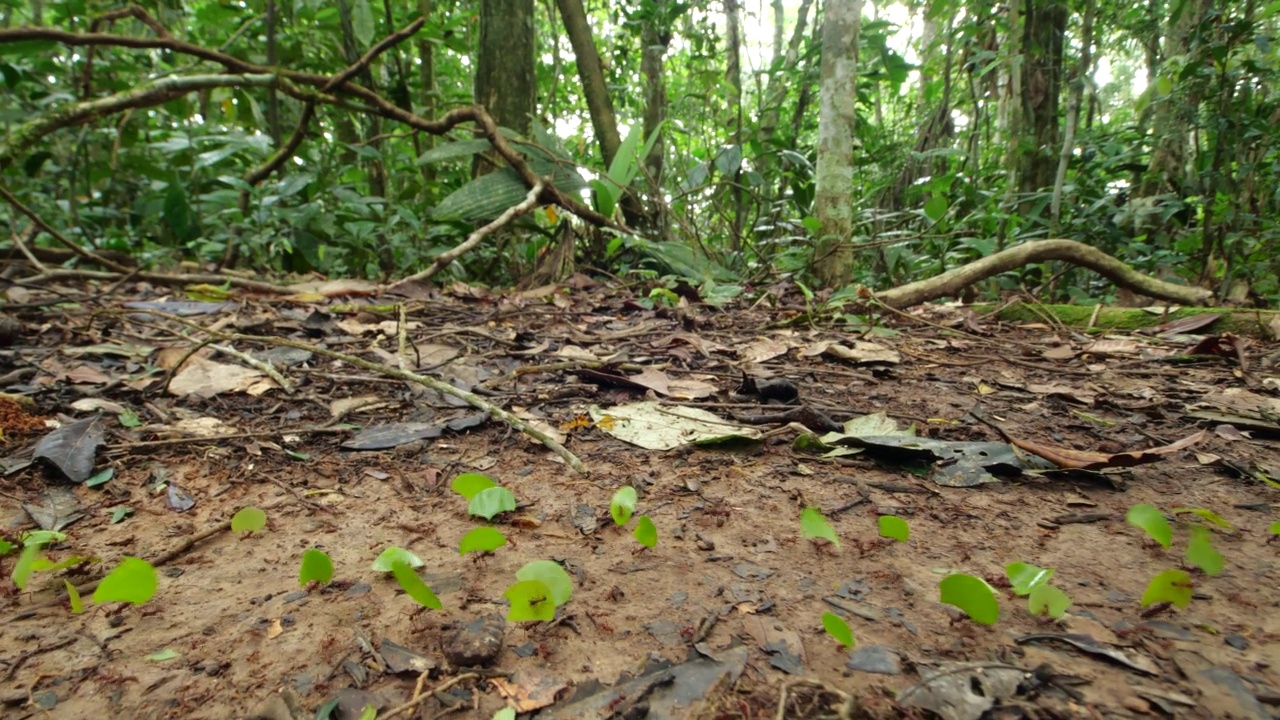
point(457, 149)
point(362, 22)
point(489, 195)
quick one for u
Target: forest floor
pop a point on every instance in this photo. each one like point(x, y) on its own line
point(723, 617)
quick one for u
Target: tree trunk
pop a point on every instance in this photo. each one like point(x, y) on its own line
point(505, 83)
point(655, 41)
point(833, 197)
point(1043, 31)
point(1082, 77)
point(590, 71)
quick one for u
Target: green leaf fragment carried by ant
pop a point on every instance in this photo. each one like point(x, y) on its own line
point(530, 601)
point(1171, 586)
point(1201, 553)
point(391, 555)
point(413, 585)
point(134, 581)
point(894, 528)
point(481, 539)
point(623, 505)
point(250, 519)
point(1025, 577)
point(837, 628)
point(646, 533)
point(77, 604)
point(491, 502)
point(468, 485)
point(552, 575)
point(1205, 514)
point(1153, 521)
point(814, 526)
point(972, 595)
point(1048, 600)
point(316, 566)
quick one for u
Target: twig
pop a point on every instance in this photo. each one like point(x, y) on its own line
point(21, 244)
point(73, 247)
point(442, 261)
point(259, 365)
point(419, 695)
point(441, 387)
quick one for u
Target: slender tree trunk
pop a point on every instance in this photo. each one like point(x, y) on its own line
point(833, 198)
point(273, 98)
point(1044, 31)
point(351, 53)
point(590, 71)
point(781, 77)
point(505, 82)
point(733, 88)
point(1082, 78)
point(427, 91)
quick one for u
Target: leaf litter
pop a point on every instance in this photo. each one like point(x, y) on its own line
point(722, 418)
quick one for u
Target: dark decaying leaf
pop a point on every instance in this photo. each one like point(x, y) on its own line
point(381, 437)
point(58, 508)
point(71, 448)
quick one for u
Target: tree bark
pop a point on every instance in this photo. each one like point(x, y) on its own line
point(1043, 32)
point(591, 72)
point(833, 196)
point(505, 83)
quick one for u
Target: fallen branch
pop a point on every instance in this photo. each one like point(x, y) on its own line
point(954, 281)
point(442, 261)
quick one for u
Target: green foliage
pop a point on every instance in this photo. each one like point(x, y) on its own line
point(1206, 515)
point(413, 585)
point(646, 533)
point(814, 526)
point(491, 502)
point(894, 528)
point(1152, 521)
point(837, 628)
point(1024, 577)
point(481, 539)
point(316, 567)
point(972, 595)
point(1048, 600)
point(1274, 529)
point(132, 581)
point(623, 505)
point(388, 558)
point(250, 520)
point(6, 547)
point(1033, 582)
point(1171, 586)
point(468, 485)
point(23, 568)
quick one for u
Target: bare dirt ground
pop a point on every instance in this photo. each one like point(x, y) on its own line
point(724, 614)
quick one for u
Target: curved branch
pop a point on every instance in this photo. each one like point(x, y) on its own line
point(383, 107)
point(1077, 253)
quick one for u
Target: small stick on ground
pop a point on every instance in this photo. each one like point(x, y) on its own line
point(419, 695)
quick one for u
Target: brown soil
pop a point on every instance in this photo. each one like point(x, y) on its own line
point(730, 563)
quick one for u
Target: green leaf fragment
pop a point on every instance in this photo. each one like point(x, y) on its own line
point(552, 575)
point(392, 554)
point(316, 566)
point(1207, 515)
point(23, 568)
point(250, 519)
point(162, 655)
point(468, 484)
point(1275, 528)
point(646, 533)
point(6, 547)
point(837, 628)
point(1048, 600)
point(1153, 521)
point(530, 602)
point(491, 502)
point(77, 604)
point(894, 528)
point(623, 505)
point(1201, 553)
point(1025, 577)
point(413, 585)
point(813, 525)
point(100, 478)
point(972, 595)
point(1171, 586)
point(481, 539)
point(133, 581)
